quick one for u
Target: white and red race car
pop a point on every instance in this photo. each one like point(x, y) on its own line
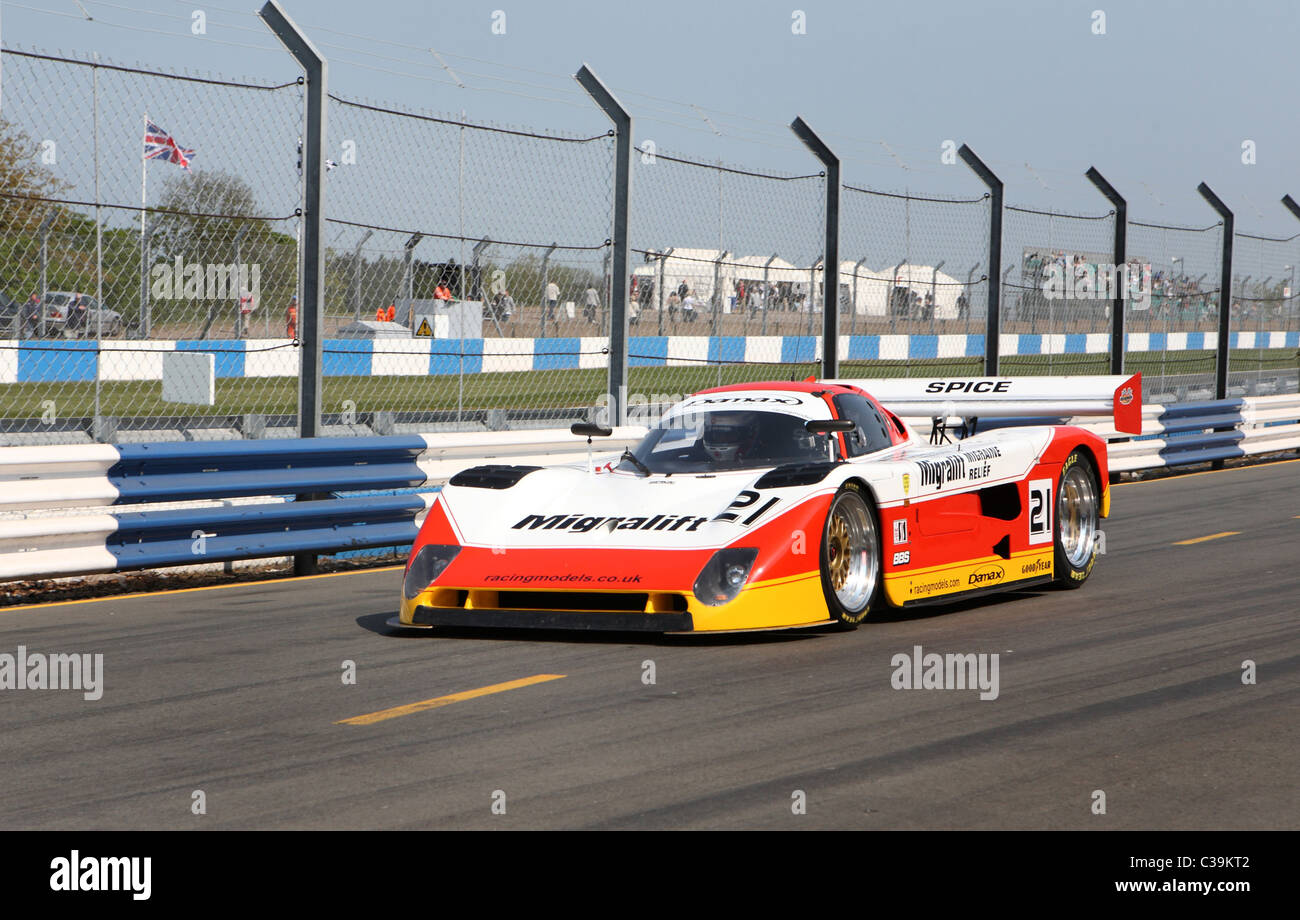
point(775, 505)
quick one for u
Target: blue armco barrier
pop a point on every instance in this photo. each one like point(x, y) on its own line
point(1200, 432)
point(225, 469)
point(160, 538)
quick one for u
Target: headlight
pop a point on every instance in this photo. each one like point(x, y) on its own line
point(428, 564)
point(724, 575)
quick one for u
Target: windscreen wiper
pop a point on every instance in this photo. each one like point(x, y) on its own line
point(631, 457)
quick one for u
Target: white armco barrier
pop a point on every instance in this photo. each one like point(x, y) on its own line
point(67, 476)
point(448, 454)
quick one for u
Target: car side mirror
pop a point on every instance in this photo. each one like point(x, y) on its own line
point(829, 425)
point(590, 430)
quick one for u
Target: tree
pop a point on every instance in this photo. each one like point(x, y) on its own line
point(26, 187)
point(199, 219)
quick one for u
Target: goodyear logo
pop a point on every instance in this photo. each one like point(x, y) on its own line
point(1037, 567)
point(987, 575)
point(907, 483)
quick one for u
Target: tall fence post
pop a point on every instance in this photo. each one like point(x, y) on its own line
point(1294, 208)
point(356, 275)
point(717, 291)
point(311, 317)
point(659, 286)
point(1120, 258)
point(993, 324)
point(408, 279)
point(1291, 205)
point(1225, 293)
point(831, 252)
point(619, 266)
point(546, 282)
point(311, 300)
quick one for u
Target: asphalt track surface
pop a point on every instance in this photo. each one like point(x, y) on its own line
point(1131, 685)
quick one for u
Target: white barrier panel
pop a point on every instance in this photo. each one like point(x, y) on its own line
point(189, 377)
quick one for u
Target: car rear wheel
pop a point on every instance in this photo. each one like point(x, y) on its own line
point(850, 556)
point(1078, 503)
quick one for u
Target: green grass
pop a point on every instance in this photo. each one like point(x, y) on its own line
point(553, 388)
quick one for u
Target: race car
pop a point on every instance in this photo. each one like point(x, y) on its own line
point(763, 506)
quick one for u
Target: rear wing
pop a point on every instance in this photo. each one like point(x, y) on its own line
point(1011, 397)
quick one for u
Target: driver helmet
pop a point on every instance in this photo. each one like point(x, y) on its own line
point(728, 436)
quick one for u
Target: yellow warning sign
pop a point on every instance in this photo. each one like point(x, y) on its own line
point(424, 329)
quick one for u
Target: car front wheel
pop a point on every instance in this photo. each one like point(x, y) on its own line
point(850, 556)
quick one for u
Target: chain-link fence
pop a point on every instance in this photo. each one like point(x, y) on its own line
point(1055, 314)
point(476, 273)
point(1172, 332)
point(114, 260)
point(727, 276)
point(1265, 313)
point(913, 283)
point(152, 240)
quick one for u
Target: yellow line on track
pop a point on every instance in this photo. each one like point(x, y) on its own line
point(1213, 536)
point(1178, 476)
point(237, 584)
point(371, 718)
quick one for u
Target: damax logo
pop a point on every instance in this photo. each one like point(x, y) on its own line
point(988, 575)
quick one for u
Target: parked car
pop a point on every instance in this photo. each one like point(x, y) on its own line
point(78, 315)
point(11, 314)
point(28, 319)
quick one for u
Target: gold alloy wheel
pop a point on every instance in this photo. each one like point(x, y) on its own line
point(852, 552)
point(839, 553)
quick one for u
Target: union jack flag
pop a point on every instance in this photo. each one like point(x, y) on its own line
point(159, 145)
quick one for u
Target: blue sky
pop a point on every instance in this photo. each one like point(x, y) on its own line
point(1161, 101)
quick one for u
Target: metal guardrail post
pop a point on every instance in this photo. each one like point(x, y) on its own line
point(1120, 257)
point(994, 322)
point(619, 266)
point(311, 317)
point(831, 252)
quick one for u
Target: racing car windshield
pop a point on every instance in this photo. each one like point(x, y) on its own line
point(717, 442)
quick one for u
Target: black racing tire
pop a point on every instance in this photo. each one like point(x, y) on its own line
point(850, 556)
point(1078, 520)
